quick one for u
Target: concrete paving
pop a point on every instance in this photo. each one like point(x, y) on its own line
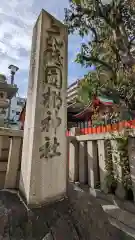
point(121, 214)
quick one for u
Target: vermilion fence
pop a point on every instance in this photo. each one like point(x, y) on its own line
point(107, 128)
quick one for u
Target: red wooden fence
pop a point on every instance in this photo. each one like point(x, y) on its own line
point(107, 128)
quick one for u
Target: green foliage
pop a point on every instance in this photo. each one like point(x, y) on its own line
point(118, 169)
point(76, 1)
point(89, 87)
point(110, 180)
point(122, 160)
point(3, 76)
point(110, 33)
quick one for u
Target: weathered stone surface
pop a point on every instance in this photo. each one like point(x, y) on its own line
point(48, 237)
point(93, 170)
point(74, 161)
point(83, 163)
point(43, 174)
point(131, 154)
point(79, 217)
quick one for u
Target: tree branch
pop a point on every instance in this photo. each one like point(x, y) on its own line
point(114, 49)
point(101, 9)
point(131, 42)
point(97, 60)
point(93, 30)
point(78, 16)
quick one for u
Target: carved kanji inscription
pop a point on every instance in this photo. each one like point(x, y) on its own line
point(49, 148)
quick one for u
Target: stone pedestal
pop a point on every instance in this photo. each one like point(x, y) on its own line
point(43, 175)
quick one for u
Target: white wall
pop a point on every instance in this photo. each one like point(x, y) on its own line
point(16, 108)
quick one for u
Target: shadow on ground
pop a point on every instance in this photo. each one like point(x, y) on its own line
point(79, 217)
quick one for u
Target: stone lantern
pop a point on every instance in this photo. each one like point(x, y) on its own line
point(7, 91)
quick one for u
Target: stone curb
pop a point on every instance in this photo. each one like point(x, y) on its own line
point(126, 205)
point(124, 217)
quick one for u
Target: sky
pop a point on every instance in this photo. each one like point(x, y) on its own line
point(17, 18)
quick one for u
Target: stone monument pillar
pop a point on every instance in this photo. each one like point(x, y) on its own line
point(43, 176)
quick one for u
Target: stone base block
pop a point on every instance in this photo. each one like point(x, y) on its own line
point(120, 192)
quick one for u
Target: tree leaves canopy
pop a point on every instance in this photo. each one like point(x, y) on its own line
point(110, 30)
